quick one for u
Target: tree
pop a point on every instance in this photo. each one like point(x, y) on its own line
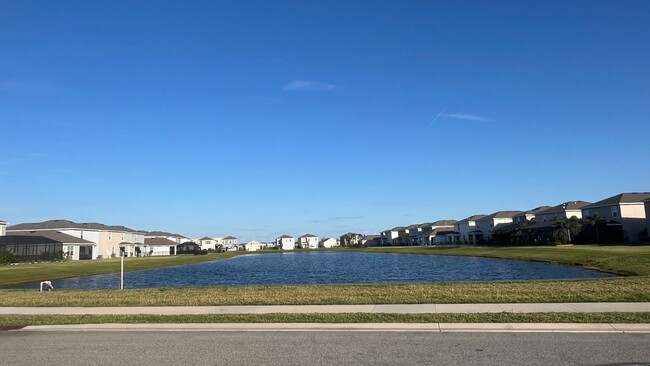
point(595, 220)
point(351, 239)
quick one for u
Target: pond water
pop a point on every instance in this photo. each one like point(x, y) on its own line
point(330, 268)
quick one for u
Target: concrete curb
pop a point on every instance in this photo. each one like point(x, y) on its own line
point(353, 327)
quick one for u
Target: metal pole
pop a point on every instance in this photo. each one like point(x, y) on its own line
point(122, 273)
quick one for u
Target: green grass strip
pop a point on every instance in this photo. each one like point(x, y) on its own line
point(24, 320)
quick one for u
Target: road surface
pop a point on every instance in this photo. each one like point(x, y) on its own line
point(179, 347)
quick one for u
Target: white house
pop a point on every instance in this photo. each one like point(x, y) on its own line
point(490, 222)
point(565, 210)
point(391, 236)
point(285, 242)
point(253, 246)
point(428, 231)
point(158, 246)
point(329, 243)
point(628, 209)
point(308, 241)
point(228, 240)
point(177, 238)
point(3, 227)
point(469, 234)
point(208, 242)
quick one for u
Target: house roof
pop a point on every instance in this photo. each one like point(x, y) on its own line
point(159, 242)
point(2, 222)
point(25, 239)
point(229, 238)
point(500, 215)
point(397, 228)
point(565, 206)
point(53, 235)
point(622, 198)
point(206, 238)
point(444, 223)
point(471, 218)
point(67, 224)
point(309, 236)
point(286, 237)
point(534, 210)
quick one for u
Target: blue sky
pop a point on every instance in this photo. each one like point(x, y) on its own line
point(257, 119)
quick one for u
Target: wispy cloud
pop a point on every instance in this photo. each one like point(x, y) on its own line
point(467, 117)
point(308, 85)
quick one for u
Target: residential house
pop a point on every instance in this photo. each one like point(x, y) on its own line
point(308, 241)
point(391, 236)
point(158, 246)
point(328, 243)
point(488, 223)
point(228, 240)
point(177, 238)
point(47, 244)
point(527, 216)
point(350, 239)
point(3, 228)
point(253, 246)
point(565, 210)
point(428, 231)
point(626, 209)
point(285, 242)
point(209, 243)
point(441, 235)
point(109, 240)
point(469, 233)
point(371, 241)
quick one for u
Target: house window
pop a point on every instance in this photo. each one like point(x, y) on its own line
point(109, 235)
point(614, 211)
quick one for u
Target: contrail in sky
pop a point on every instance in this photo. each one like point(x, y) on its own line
point(438, 116)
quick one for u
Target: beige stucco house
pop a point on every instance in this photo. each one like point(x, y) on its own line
point(3, 228)
point(628, 209)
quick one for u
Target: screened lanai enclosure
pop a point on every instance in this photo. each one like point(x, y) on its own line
point(31, 248)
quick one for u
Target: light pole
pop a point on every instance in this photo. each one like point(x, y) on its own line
point(122, 273)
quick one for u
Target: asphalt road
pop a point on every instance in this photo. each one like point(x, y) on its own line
point(159, 348)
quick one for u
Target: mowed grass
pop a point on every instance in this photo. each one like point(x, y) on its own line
point(631, 260)
point(28, 272)
point(10, 321)
point(631, 289)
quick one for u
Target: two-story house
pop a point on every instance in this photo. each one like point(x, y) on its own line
point(528, 216)
point(466, 228)
point(564, 210)
point(628, 209)
point(285, 242)
point(490, 222)
point(308, 241)
point(3, 227)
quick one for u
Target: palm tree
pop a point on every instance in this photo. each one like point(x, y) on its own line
point(595, 220)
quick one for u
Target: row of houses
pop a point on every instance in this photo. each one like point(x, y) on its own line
point(625, 216)
point(78, 241)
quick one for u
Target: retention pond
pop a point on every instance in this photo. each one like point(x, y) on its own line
point(294, 268)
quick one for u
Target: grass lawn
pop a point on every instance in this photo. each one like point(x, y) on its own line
point(28, 272)
point(24, 320)
point(631, 260)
